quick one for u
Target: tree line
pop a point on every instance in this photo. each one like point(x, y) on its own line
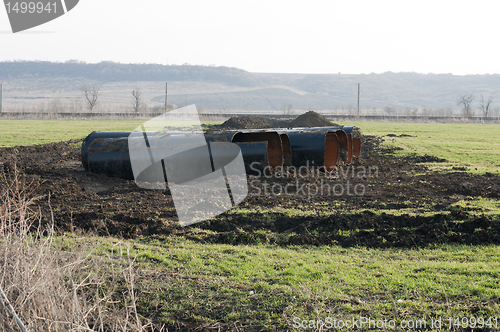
point(91, 96)
point(465, 101)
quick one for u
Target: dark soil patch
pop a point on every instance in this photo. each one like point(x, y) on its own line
point(402, 135)
point(425, 159)
point(80, 200)
point(250, 122)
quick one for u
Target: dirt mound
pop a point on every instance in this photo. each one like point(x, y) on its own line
point(247, 122)
point(311, 119)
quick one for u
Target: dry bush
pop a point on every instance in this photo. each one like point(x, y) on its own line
point(51, 289)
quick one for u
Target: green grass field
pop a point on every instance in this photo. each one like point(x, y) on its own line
point(265, 287)
point(474, 146)
point(29, 132)
point(272, 288)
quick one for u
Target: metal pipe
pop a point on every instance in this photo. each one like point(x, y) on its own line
point(109, 152)
point(323, 144)
point(96, 135)
point(356, 147)
point(313, 148)
point(274, 147)
point(111, 156)
point(343, 145)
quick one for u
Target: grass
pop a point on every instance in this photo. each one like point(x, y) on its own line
point(254, 287)
point(29, 132)
point(473, 146)
point(187, 285)
point(479, 206)
point(44, 288)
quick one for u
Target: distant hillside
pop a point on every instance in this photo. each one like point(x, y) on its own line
point(223, 88)
point(261, 99)
point(111, 72)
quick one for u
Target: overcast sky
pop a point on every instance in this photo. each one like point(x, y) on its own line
point(315, 36)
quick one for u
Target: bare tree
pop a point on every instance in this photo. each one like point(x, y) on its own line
point(485, 105)
point(91, 95)
point(137, 99)
point(496, 111)
point(448, 111)
point(55, 107)
point(286, 108)
point(389, 110)
point(427, 111)
point(465, 101)
point(350, 109)
point(75, 105)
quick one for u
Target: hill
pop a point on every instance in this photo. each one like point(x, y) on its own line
point(30, 83)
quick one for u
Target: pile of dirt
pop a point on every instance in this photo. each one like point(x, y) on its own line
point(248, 122)
point(311, 119)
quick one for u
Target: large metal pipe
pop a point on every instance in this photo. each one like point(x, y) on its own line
point(108, 152)
point(274, 147)
point(96, 135)
point(308, 148)
point(320, 142)
point(275, 153)
point(111, 156)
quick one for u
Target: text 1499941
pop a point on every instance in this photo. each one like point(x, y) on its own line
point(30, 7)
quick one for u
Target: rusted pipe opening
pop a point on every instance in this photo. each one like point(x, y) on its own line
point(287, 150)
point(356, 147)
point(349, 148)
point(274, 149)
point(331, 151)
point(343, 145)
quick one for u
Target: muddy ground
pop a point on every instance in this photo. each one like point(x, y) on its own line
point(82, 201)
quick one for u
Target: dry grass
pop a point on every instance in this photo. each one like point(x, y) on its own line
point(44, 288)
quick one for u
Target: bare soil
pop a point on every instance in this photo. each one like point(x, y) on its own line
point(82, 201)
point(309, 119)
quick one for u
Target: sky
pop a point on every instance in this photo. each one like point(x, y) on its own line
point(272, 36)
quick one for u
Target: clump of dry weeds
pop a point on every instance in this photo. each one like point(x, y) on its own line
point(43, 288)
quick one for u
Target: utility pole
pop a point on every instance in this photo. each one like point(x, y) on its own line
point(1, 96)
point(166, 91)
point(358, 100)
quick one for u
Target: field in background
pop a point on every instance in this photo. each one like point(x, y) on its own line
point(473, 146)
point(29, 132)
point(185, 284)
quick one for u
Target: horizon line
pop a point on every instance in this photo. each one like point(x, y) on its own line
point(74, 61)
